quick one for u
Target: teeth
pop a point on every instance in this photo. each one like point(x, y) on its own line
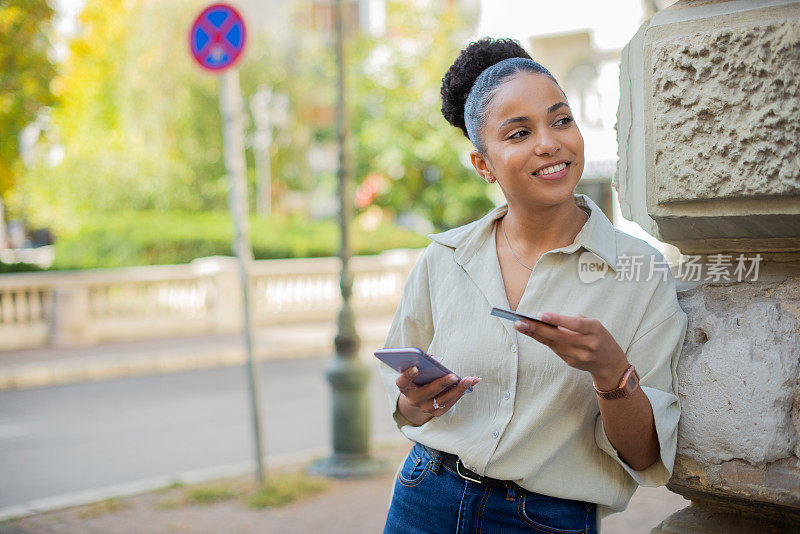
point(551, 170)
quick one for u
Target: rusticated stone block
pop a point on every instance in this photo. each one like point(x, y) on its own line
point(784, 476)
point(709, 158)
point(738, 373)
point(770, 491)
point(695, 520)
point(725, 109)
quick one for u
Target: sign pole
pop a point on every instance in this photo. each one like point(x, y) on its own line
point(230, 98)
point(216, 41)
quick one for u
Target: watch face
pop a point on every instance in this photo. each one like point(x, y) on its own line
point(631, 384)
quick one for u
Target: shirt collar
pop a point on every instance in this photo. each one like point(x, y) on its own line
point(597, 235)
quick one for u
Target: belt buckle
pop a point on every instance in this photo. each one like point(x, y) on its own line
point(465, 477)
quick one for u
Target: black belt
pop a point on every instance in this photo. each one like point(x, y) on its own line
point(454, 463)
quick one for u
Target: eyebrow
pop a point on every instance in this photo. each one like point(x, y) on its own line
point(551, 109)
point(556, 106)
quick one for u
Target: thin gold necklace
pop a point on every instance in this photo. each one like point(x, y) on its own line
point(503, 224)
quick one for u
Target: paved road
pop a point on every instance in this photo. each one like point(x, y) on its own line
point(77, 437)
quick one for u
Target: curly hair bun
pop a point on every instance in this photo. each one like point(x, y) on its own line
point(462, 74)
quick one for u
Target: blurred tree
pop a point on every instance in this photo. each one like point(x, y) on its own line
point(25, 74)
point(300, 69)
point(398, 127)
point(127, 120)
point(139, 121)
point(140, 128)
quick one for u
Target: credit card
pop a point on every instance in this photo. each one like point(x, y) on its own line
point(514, 316)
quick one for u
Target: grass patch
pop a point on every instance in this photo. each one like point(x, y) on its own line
point(171, 503)
point(284, 488)
point(103, 507)
point(174, 485)
point(209, 494)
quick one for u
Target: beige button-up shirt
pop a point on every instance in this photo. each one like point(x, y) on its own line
point(533, 419)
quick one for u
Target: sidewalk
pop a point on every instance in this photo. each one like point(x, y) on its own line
point(48, 366)
point(345, 507)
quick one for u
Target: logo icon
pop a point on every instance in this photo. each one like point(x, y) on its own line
point(591, 268)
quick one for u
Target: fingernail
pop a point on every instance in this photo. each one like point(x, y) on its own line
point(520, 325)
point(414, 371)
point(453, 379)
point(477, 379)
point(545, 316)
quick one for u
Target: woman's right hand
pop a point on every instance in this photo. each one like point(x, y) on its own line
point(416, 403)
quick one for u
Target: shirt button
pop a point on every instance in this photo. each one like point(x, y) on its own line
point(507, 395)
point(513, 348)
point(495, 434)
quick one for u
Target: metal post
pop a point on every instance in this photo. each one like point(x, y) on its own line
point(347, 376)
point(231, 106)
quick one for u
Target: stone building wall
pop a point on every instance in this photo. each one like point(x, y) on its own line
point(747, 75)
point(709, 161)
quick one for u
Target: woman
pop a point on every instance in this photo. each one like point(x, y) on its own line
point(558, 424)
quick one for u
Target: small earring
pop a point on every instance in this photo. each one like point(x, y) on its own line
point(490, 178)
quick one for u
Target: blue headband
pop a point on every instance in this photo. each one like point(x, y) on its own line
point(486, 82)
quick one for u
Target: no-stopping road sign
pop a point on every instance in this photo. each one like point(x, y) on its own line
point(217, 37)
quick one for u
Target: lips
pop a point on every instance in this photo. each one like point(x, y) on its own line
point(553, 171)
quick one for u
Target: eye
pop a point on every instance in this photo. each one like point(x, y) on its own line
point(565, 121)
point(519, 134)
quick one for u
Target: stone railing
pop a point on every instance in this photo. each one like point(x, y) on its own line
point(84, 307)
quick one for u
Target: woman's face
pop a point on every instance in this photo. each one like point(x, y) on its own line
point(529, 128)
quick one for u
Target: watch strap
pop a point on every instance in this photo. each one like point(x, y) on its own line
point(627, 385)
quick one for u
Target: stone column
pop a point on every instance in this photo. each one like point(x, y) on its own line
point(709, 146)
point(224, 313)
point(69, 326)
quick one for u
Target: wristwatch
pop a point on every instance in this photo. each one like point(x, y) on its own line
point(628, 384)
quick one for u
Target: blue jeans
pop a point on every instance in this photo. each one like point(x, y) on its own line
point(429, 498)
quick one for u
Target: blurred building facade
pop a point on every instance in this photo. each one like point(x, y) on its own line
point(286, 17)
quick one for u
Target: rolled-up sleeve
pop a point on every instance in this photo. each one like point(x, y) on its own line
point(412, 327)
point(655, 355)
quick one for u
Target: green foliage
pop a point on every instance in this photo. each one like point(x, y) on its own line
point(25, 74)
point(19, 268)
point(400, 132)
point(137, 125)
point(141, 130)
point(140, 122)
point(158, 237)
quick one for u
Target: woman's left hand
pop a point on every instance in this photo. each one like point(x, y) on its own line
point(583, 343)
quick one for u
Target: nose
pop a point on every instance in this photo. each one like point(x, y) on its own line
point(546, 143)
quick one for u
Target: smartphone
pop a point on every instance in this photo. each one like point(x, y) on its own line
point(514, 316)
point(402, 358)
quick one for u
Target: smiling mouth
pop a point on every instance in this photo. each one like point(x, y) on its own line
point(551, 170)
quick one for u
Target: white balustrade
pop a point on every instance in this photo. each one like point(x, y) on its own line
point(74, 308)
